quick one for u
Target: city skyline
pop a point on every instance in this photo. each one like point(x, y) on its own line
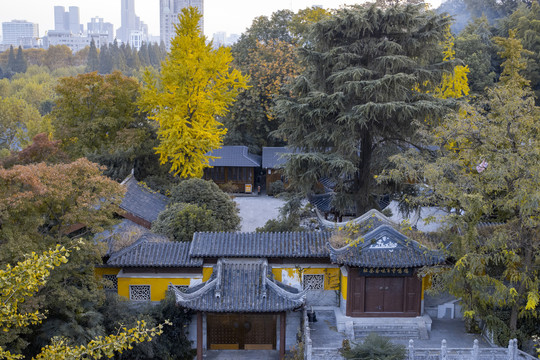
point(233, 16)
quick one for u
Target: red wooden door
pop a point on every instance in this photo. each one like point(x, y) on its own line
point(393, 295)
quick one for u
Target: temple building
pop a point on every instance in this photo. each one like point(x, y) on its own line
point(248, 290)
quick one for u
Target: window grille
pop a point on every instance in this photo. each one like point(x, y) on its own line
point(112, 282)
point(139, 292)
point(313, 282)
point(181, 288)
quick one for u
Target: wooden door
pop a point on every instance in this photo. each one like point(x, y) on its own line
point(393, 295)
point(383, 296)
point(241, 331)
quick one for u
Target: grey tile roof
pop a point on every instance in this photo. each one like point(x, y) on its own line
point(153, 250)
point(237, 156)
point(254, 244)
point(385, 247)
point(272, 157)
point(118, 231)
point(241, 286)
point(142, 202)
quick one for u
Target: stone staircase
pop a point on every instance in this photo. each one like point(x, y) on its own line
point(397, 328)
point(392, 330)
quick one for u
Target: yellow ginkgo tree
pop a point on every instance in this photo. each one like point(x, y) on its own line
point(23, 280)
point(195, 86)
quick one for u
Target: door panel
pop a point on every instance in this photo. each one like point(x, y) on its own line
point(374, 294)
point(393, 295)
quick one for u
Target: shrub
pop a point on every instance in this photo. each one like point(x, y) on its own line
point(180, 220)
point(375, 347)
point(277, 187)
point(207, 195)
point(282, 224)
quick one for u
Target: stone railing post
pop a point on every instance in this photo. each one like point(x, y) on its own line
point(411, 349)
point(475, 350)
point(444, 352)
point(511, 355)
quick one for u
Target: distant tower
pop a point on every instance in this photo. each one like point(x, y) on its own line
point(129, 20)
point(67, 20)
point(168, 16)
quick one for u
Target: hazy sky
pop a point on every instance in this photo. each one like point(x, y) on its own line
point(231, 16)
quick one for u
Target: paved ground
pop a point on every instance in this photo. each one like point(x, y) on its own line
point(324, 334)
point(255, 211)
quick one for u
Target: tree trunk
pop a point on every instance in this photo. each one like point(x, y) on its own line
point(362, 190)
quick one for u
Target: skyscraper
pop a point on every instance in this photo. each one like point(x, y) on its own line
point(168, 16)
point(128, 20)
point(67, 20)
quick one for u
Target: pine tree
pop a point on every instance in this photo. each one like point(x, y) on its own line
point(92, 64)
point(20, 64)
point(356, 101)
point(11, 59)
point(105, 60)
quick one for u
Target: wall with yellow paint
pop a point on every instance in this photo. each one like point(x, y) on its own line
point(343, 280)
point(100, 271)
point(331, 275)
point(207, 272)
point(158, 286)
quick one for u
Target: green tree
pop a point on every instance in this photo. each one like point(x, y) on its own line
point(98, 114)
point(475, 48)
point(11, 59)
point(20, 64)
point(526, 22)
point(358, 99)
point(19, 123)
point(92, 62)
point(207, 195)
point(105, 60)
point(23, 280)
point(486, 169)
point(195, 86)
point(180, 221)
point(58, 56)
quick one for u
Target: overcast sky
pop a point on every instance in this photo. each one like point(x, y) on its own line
point(231, 16)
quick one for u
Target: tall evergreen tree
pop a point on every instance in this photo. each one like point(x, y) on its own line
point(105, 60)
point(20, 64)
point(92, 64)
point(11, 59)
point(360, 96)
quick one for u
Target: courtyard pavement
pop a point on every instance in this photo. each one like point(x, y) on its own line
point(255, 210)
point(324, 334)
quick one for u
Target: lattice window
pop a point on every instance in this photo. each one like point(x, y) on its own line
point(111, 283)
point(313, 282)
point(139, 292)
point(181, 288)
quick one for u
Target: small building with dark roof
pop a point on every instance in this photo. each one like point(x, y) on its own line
point(273, 161)
point(233, 164)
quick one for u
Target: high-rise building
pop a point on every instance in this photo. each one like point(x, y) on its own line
point(128, 20)
point(168, 16)
point(67, 20)
point(20, 32)
point(133, 31)
point(98, 27)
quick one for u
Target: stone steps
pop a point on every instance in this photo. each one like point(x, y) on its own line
point(325, 354)
point(397, 332)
